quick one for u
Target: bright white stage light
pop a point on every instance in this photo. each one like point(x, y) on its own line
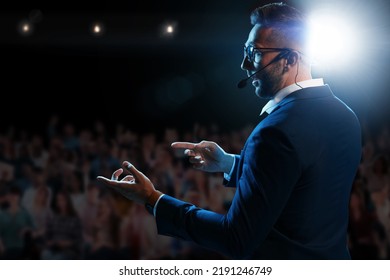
point(97, 29)
point(169, 29)
point(333, 38)
point(25, 28)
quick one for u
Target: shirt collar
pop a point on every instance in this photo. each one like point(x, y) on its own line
point(273, 103)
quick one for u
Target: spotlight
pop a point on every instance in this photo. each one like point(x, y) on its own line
point(168, 29)
point(332, 38)
point(97, 29)
point(25, 28)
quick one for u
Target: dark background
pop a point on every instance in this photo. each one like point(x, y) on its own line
point(135, 75)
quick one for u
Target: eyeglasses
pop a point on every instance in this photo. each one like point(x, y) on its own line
point(254, 54)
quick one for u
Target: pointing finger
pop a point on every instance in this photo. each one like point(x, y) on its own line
point(183, 145)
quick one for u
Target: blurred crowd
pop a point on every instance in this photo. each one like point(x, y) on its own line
point(52, 207)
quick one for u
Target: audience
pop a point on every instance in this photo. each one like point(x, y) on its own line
point(63, 235)
point(47, 183)
point(16, 226)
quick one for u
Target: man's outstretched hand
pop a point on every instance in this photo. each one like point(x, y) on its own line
point(207, 156)
point(134, 185)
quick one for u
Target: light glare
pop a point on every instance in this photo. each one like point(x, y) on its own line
point(26, 28)
point(96, 29)
point(169, 28)
point(332, 39)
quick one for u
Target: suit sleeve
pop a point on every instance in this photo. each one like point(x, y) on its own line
point(270, 169)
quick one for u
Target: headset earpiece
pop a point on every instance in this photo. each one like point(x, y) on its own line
point(290, 56)
point(290, 59)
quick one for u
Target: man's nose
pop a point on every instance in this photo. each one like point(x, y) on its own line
point(246, 64)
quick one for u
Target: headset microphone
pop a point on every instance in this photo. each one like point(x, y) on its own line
point(283, 54)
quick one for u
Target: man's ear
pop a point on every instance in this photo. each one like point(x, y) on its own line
point(292, 58)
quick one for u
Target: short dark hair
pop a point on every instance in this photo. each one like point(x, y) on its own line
point(287, 23)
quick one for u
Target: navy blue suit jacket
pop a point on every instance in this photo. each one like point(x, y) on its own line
point(293, 180)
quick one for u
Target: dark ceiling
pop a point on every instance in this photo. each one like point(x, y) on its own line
point(133, 71)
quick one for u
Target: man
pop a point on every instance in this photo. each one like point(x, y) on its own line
point(294, 174)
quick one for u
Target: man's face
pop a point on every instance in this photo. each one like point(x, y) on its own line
point(269, 80)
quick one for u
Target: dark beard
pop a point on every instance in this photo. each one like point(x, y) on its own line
point(270, 83)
